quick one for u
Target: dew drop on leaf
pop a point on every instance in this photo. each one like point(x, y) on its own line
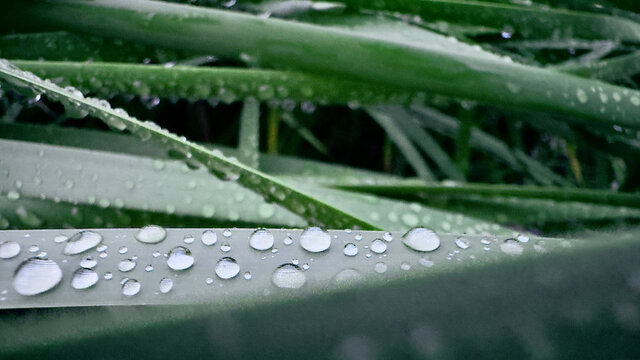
point(421, 239)
point(180, 258)
point(511, 247)
point(151, 234)
point(350, 249)
point(227, 268)
point(84, 278)
point(209, 237)
point(81, 242)
point(36, 275)
point(315, 240)
point(261, 239)
point(288, 276)
point(126, 265)
point(380, 267)
point(88, 262)
point(378, 246)
point(165, 285)
point(9, 249)
point(462, 243)
point(131, 287)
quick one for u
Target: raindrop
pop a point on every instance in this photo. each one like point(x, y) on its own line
point(486, 241)
point(208, 280)
point(421, 239)
point(350, 249)
point(34, 248)
point(81, 242)
point(261, 239)
point(225, 247)
point(148, 268)
point(227, 268)
point(378, 246)
point(288, 240)
point(36, 275)
point(523, 239)
point(108, 276)
point(180, 258)
point(131, 287)
point(248, 276)
point(582, 96)
point(380, 267)
point(166, 285)
point(123, 250)
point(462, 243)
point(305, 266)
point(314, 240)
point(347, 276)
point(387, 237)
point(103, 255)
point(188, 239)
point(102, 248)
point(358, 237)
point(426, 262)
point(511, 247)
point(88, 262)
point(288, 276)
point(84, 278)
point(126, 265)
point(9, 249)
point(151, 234)
point(209, 237)
point(156, 254)
point(60, 239)
point(405, 265)
point(226, 233)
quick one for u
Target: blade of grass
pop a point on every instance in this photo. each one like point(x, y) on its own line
point(434, 66)
point(304, 133)
point(249, 138)
point(611, 69)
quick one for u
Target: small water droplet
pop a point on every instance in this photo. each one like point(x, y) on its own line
point(88, 262)
point(523, 239)
point(421, 239)
point(358, 237)
point(81, 242)
point(102, 248)
point(151, 234)
point(462, 243)
point(380, 267)
point(227, 268)
point(305, 266)
point(103, 255)
point(148, 268)
point(348, 276)
point(9, 249)
point(405, 266)
point(288, 276)
point(378, 246)
point(60, 239)
point(511, 247)
point(582, 96)
point(108, 276)
point(426, 262)
point(387, 237)
point(166, 285)
point(36, 275)
point(188, 239)
point(288, 241)
point(156, 254)
point(261, 239)
point(131, 287)
point(84, 278)
point(34, 248)
point(225, 247)
point(248, 276)
point(180, 258)
point(123, 250)
point(208, 281)
point(226, 233)
point(126, 265)
point(314, 240)
point(486, 241)
point(209, 237)
point(350, 249)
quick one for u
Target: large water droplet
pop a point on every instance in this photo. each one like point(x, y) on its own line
point(180, 258)
point(261, 239)
point(166, 285)
point(227, 268)
point(421, 239)
point(9, 249)
point(350, 249)
point(314, 240)
point(511, 247)
point(131, 287)
point(35, 276)
point(209, 237)
point(378, 246)
point(126, 265)
point(151, 234)
point(288, 276)
point(81, 242)
point(84, 278)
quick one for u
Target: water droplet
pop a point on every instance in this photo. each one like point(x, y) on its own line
point(358, 237)
point(511, 247)
point(88, 262)
point(156, 254)
point(225, 247)
point(421, 239)
point(208, 281)
point(387, 237)
point(148, 268)
point(151, 234)
point(261, 239)
point(84, 278)
point(582, 96)
point(486, 241)
point(462, 243)
point(380, 267)
point(523, 239)
point(288, 276)
point(60, 239)
point(227, 268)
point(378, 246)
point(314, 240)
point(288, 241)
point(405, 265)
point(166, 285)
point(226, 233)
point(102, 248)
point(103, 255)
point(36, 275)
point(123, 250)
point(350, 249)
point(180, 258)
point(34, 248)
point(9, 249)
point(188, 239)
point(348, 276)
point(126, 265)
point(248, 276)
point(81, 242)
point(108, 276)
point(305, 266)
point(209, 237)
point(13, 195)
point(131, 287)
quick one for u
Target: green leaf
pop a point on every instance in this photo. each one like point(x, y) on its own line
point(439, 66)
point(249, 139)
